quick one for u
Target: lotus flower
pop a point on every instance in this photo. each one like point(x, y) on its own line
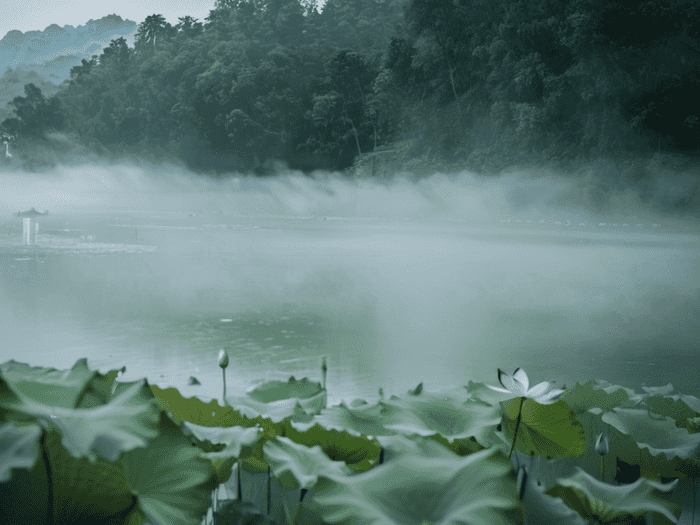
point(223, 363)
point(601, 445)
point(544, 393)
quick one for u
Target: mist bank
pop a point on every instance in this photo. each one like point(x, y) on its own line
point(662, 187)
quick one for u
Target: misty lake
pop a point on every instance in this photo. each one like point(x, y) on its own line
point(283, 271)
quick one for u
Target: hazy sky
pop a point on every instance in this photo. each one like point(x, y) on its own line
point(36, 15)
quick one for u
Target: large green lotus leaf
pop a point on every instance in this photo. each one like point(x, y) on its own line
point(659, 434)
point(236, 439)
point(59, 388)
point(338, 445)
point(633, 397)
point(589, 395)
point(276, 411)
point(463, 447)
point(398, 445)
point(271, 391)
point(603, 503)
point(671, 406)
point(478, 489)
point(235, 442)
point(100, 389)
point(548, 430)
point(209, 414)
point(646, 453)
point(359, 420)
point(542, 509)
point(172, 483)
point(19, 447)
point(85, 491)
point(430, 414)
point(658, 390)
point(298, 466)
point(125, 423)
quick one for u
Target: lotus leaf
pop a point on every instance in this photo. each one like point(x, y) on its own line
point(542, 509)
point(582, 397)
point(357, 452)
point(671, 406)
point(167, 495)
point(396, 446)
point(430, 414)
point(549, 430)
point(19, 447)
point(298, 466)
point(59, 388)
point(358, 420)
point(123, 424)
point(233, 443)
point(601, 502)
point(85, 491)
point(659, 434)
point(271, 391)
point(478, 489)
point(100, 389)
point(210, 414)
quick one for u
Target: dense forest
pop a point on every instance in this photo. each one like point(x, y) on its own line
point(380, 86)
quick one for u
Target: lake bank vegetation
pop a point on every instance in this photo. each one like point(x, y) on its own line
point(375, 88)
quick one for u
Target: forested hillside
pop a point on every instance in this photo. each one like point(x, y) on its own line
point(387, 85)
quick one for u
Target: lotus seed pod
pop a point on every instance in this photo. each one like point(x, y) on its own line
point(601, 445)
point(223, 358)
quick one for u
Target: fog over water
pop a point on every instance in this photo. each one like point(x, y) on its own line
point(442, 280)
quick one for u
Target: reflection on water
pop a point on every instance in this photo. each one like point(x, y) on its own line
point(391, 302)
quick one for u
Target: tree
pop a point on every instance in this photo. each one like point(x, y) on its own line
point(34, 113)
point(151, 28)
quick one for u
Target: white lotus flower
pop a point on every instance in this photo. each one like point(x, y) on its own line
point(544, 393)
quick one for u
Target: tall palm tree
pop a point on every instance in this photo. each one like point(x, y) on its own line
point(150, 28)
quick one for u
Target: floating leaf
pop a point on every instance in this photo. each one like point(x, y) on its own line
point(548, 430)
point(271, 391)
point(477, 489)
point(600, 502)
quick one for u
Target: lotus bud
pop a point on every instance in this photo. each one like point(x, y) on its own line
point(223, 358)
point(601, 445)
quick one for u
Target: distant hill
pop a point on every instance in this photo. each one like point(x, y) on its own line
point(45, 58)
point(58, 45)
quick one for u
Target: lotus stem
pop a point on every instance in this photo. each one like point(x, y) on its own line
point(324, 371)
point(517, 426)
point(49, 477)
point(602, 469)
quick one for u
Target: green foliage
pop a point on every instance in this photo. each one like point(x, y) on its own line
point(602, 503)
point(127, 452)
